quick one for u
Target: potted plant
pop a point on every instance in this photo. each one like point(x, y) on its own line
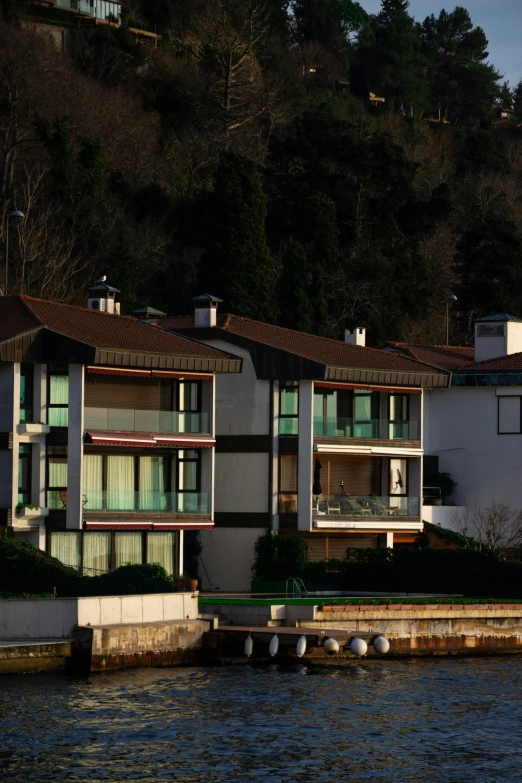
point(185, 583)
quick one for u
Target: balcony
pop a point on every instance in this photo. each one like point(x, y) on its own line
point(366, 506)
point(382, 429)
point(124, 420)
point(136, 502)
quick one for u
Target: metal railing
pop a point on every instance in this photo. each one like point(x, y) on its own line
point(343, 427)
point(118, 500)
point(366, 506)
point(126, 420)
point(297, 586)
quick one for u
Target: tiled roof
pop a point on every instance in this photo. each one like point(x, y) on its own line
point(445, 357)
point(19, 314)
point(510, 363)
point(323, 350)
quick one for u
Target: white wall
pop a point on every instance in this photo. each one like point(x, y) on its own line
point(228, 555)
point(463, 434)
point(242, 402)
point(441, 515)
point(55, 618)
point(241, 483)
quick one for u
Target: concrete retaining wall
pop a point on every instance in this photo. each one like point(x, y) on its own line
point(111, 647)
point(55, 618)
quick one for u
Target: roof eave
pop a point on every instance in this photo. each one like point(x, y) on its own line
point(426, 380)
point(210, 364)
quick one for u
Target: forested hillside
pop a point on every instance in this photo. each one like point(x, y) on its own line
point(312, 165)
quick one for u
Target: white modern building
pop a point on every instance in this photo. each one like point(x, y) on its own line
point(473, 428)
point(107, 432)
point(316, 437)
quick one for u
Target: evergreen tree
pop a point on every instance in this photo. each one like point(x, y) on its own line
point(327, 22)
point(238, 265)
point(462, 84)
point(296, 311)
point(517, 99)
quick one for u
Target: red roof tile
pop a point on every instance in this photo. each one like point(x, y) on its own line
point(324, 350)
point(511, 363)
point(19, 314)
point(445, 357)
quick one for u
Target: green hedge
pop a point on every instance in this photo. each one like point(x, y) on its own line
point(27, 570)
point(479, 574)
point(277, 558)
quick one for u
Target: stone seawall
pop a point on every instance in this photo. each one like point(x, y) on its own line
point(111, 647)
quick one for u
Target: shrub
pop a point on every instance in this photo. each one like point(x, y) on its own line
point(466, 571)
point(27, 570)
point(277, 558)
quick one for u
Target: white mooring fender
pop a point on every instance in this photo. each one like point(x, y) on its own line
point(274, 645)
point(381, 645)
point(358, 647)
point(249, 645)
point(301, 646)
point(331, 646)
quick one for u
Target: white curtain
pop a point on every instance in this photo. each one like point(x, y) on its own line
point(96, 553)
point(152, 484)
point(67, 548)
point(59, 395)
point(161, 549)
point(93, 481)
point(120, 483)
point(127, 548)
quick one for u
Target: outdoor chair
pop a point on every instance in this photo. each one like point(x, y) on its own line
point(62, 493)
point(333, 507)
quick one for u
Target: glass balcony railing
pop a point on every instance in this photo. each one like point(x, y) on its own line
point(124, 420)
point(365, 506)
point(340, 427)
point(116, 500)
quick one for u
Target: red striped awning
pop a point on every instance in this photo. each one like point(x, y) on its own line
point(181, 441)
point(183, 524)
point(363, 387)
point(121, 439)
point(182, 376)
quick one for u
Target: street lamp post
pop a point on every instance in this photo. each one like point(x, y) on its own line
point(450, 300)
point(15, 214)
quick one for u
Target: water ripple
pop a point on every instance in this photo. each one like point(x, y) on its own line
point(414, 721)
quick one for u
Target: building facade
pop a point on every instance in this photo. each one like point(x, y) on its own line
point(107, 433)
point(316, 437)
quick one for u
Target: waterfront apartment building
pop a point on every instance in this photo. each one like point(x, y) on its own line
point(473, 428)
point(316, 437)
point(107, 432)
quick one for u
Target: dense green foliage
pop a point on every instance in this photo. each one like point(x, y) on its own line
point(465, 571)
point(27, 570)
point(312, 164)
point(277, 558)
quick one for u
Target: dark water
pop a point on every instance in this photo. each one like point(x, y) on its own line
point(390, 721)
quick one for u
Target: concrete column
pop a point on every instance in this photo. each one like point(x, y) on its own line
point(40, 393)
point(274, 467)
point(415, 485)
point(179, 564)
point(14, 430)
point(38, 473)
point(305, 455)
point(75, 448)
point(207, 476)
point(385, 540)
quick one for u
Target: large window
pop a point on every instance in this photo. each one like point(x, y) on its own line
point(288, 484)
point(142, 483)
point(399, 415)
point(58, 400)
point(509, 415)
point(96, 552)
point(289, 408)
point(346, 413)
point(56, 477)
point(26, 392)
point(24, 473)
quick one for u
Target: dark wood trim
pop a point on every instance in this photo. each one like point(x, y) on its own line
point(6, 440)
point(157, 362)
point(394, 443)
point(237, 519)
point(243, 444)
point(288, 444)
point(287, 522)
point(271, 454)
point(438, 380)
